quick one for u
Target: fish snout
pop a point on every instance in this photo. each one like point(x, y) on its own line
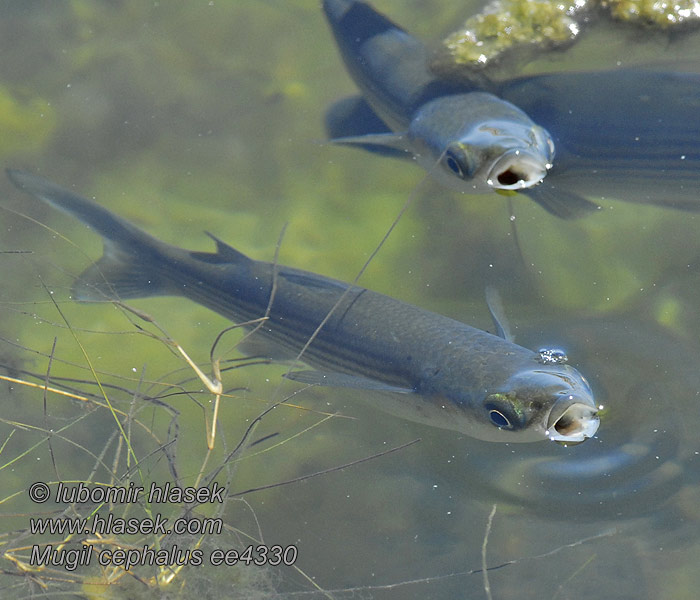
point(572, 420)
point(517, 170)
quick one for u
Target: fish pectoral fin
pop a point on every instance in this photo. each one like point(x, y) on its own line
point(387, 144)
point(255, 345)
point(560, 203)
point(343, 380)
point(118, 275)
point(353, 118)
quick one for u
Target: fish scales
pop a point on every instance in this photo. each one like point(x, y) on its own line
point(365, 329)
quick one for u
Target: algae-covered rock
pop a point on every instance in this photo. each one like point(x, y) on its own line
point(656, 13)
point(540, 25)
point(507, 23)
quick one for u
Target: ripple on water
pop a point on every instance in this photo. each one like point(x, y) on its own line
point(644, 452)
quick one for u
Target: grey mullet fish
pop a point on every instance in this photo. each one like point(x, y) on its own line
point(424, 367)
point(467, 139)
point(628, 133)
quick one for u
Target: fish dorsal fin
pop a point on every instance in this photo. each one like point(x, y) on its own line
point(495, 304)
point(224, 253)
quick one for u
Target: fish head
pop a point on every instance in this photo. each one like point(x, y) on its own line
point(499, 155)
point(548, 402)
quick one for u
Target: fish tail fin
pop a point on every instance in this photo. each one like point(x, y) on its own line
point(357, 20)
point(121, 273)
point(118, 275)
point(387, 63)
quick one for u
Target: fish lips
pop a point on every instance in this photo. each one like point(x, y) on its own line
point(517, 170)
point(572, 420)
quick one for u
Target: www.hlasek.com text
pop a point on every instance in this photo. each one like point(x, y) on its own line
point(98, 524)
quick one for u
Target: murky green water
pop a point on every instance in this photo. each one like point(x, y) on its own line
point(193, 116)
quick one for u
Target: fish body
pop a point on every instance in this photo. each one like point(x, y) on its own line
point(468, 139)
point(426, 367)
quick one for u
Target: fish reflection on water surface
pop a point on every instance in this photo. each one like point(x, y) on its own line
point(630, 133)
point(427, 368)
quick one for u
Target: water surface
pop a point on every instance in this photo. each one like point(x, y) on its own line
point(185, 117)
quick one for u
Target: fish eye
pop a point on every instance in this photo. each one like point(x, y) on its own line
point(453, 164)
point(504, 412)
point(499, 419)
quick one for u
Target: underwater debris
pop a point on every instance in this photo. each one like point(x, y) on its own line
point(542, 25)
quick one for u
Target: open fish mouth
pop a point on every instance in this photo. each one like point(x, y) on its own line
point(517, 170)
point(573, 423)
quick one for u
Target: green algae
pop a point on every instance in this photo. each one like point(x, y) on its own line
point(26, 122)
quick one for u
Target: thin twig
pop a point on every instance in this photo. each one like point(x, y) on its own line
point(325, 471)
point(484, 568)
